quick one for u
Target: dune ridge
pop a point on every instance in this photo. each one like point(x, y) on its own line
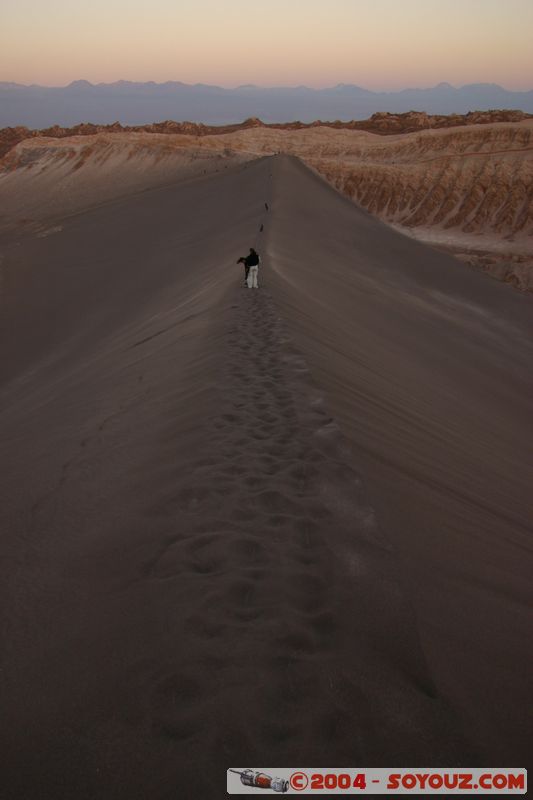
point(310, 501)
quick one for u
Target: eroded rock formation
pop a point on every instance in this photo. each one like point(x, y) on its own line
point(382, 123)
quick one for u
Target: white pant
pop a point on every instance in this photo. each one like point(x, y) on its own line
point(252, 278)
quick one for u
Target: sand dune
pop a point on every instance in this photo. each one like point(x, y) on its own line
point(279, 527)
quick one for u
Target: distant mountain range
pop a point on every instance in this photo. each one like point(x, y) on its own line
point(139, 103)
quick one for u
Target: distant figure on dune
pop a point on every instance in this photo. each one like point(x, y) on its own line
point(266, 206)
point(261, 229)
point(251, 268)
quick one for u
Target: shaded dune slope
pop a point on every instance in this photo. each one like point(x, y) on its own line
point(427, 368)
point(241, 527)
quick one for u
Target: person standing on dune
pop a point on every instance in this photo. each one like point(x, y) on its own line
point(251, 268)
point(253, 261)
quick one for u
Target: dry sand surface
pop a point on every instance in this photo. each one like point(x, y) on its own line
point(287, 526)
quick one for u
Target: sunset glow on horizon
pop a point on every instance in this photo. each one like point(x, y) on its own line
point(377, 44)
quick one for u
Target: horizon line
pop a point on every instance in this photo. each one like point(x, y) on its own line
point(226, 87)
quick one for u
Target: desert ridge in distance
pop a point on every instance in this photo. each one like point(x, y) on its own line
point(280, 526)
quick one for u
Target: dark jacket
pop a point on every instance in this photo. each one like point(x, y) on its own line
point(252, 260)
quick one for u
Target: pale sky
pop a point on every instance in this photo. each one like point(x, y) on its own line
point(378, 44)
